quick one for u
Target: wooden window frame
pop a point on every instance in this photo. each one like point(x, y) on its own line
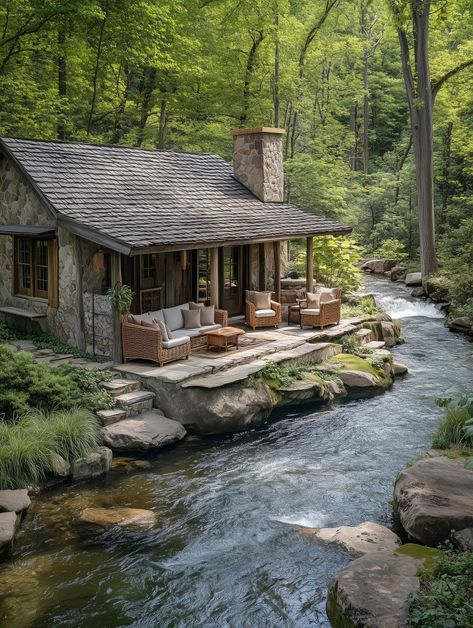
point(51, 294)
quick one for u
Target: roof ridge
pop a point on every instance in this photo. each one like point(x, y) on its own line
point(109, 146)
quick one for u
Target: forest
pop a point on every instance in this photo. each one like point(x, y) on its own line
point(370, 93)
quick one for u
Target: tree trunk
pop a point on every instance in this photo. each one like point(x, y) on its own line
point(96, 73)
point(162, 123)
point(446, 161)
point(118, 123)
point(250, 66)
point(366, 114)
point(419, 94)
point(148, 86)
point(61, 84)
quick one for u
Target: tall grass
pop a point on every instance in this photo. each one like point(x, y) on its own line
point(30, 447)
point(451, 430)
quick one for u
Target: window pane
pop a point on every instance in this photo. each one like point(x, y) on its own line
point(149, 266)
point(204, 275)
point(41, 265)
point(24, 264)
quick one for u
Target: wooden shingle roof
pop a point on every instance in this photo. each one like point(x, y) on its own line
point(143, 198)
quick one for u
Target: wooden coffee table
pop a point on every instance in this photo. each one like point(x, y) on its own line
point(223, 338)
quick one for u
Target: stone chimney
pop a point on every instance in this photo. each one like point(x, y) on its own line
point(258, 162)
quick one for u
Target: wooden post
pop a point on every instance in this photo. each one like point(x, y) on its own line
point(309, 273)
point(79, 295)
point(277, 270)
point(214, 296)
point(116, 277)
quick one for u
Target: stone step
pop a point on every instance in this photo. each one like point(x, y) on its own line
point(135, 402)
point(364, 336)
point(118, 386)
point(107, 417)
point(375, 344)
point(149, 430)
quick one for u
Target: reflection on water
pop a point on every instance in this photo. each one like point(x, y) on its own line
point(227, 550)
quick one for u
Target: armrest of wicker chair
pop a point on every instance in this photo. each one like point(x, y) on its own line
point(141, 342)
point(221, 317)
point(330, 311)
point(277, 308)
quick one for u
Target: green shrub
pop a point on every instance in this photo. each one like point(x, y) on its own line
point(350, 343)
point(121, 297)
point(7, 334)
point(29, 447)
point(47, 341)
point(25, 385)
point(391, 249)
point(451, 429)
point(445, 598)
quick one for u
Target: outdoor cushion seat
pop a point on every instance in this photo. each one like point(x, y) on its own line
point(310, 310)
point(173, 316)
point(197, 331)
point(158, 315)
point(263, 313)
point(175, 342)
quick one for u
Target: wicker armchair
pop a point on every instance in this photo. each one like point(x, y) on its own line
point(328, 313)
point(146, 343)
point(254, 321)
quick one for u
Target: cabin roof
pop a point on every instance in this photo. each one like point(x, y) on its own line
point(141, 199)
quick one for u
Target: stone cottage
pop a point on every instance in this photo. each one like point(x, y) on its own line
point(77, 218)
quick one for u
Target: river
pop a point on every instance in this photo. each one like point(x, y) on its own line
point(228, 549)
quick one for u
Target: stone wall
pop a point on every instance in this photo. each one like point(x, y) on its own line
point(98, 324)
point(20, 205)
point(258, 164)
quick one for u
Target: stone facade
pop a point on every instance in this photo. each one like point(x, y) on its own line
point(258, 162)
point(98, 324)
point(20, 205)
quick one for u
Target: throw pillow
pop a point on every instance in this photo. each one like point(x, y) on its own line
point(313, 300)
point(169, 332)
point(191, 318)
point(151, 324)
point(327, 294)
point(195, 306)
point(262, 300)
point(135, 319)
point(207, 315)
point(162, 328)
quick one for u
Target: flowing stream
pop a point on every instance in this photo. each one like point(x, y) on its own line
point(228, 550)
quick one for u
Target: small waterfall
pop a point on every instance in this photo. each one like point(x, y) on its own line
point(403, 307)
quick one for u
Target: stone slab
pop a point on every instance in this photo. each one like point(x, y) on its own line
point(149, 430)
point(227, 377)
point(14, 500)
point(8, 525)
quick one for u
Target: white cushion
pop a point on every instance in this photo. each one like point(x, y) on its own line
point(158, 315)
point(173, 316)
point(309, 310)
point(186, 333)
point(205, 328)
point(175, 342)
point(264, 313)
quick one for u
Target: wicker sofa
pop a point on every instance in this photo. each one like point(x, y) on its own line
point(268, 317)
point(328, 312)
point(147, 343)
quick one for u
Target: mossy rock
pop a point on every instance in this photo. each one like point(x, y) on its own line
point(428, 555)
point(335, 613)
point(350, 362)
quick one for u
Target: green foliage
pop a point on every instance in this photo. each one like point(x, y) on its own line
point(25, 385)
point(446, 593)
point(29, 448)
point(88, 381)
point(336, 262)
point(6, 334)
point(391, 249)
point(120, 297)
point(285, 374)
point(48, 341)
point(454, 429)
point(350, 343)
point(364, 306)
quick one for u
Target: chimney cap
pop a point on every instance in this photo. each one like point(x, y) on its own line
point(256, 130)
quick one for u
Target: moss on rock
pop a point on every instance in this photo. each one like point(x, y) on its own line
point(428, 555)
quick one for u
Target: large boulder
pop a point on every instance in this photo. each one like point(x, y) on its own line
point(413, 279)
point(356, 372)
point(362, 539)
point(93, 465)
point(436, 288)
point(461, 323)
point(143, 432)
point(379, 266)
point(14, 501)
point(8, 525)
point(373, 591)
point(398, 272)
point(435, 496)
point(118, 517)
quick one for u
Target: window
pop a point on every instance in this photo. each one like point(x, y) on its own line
point(32, 271)
point(203, 279)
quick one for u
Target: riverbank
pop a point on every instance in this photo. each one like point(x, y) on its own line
point(237, 500)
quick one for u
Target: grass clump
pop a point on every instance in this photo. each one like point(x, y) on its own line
point(285, 374)
point(30, 447)
point(450, 432)
point(25, 385)
point(445, 598)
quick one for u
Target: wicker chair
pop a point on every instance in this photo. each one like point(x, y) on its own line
point(254, 321)
point(328, 313)
point(146, 343)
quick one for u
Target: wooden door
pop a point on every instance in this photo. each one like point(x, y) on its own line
point(232, 277)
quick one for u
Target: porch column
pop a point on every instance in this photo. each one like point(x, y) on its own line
point(80, 337)
point(116, 277)
point(214, 296)
point(277, 270)
point(309, 269)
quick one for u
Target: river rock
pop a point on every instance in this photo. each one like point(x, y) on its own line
point(93, 465)
point(417, 292)
point(390, 334)
point(358, 379)
point(400, 369)
point(362, 539)
point(435, 496)
point(462, 323)
point(413, 279)
point(8, 525)
point(398, 272)
point(463, 539)
point(379, 266)
point(141, 433)
point(14, 501)
point(373, 591)
point(60, 466)
point(119, 517)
